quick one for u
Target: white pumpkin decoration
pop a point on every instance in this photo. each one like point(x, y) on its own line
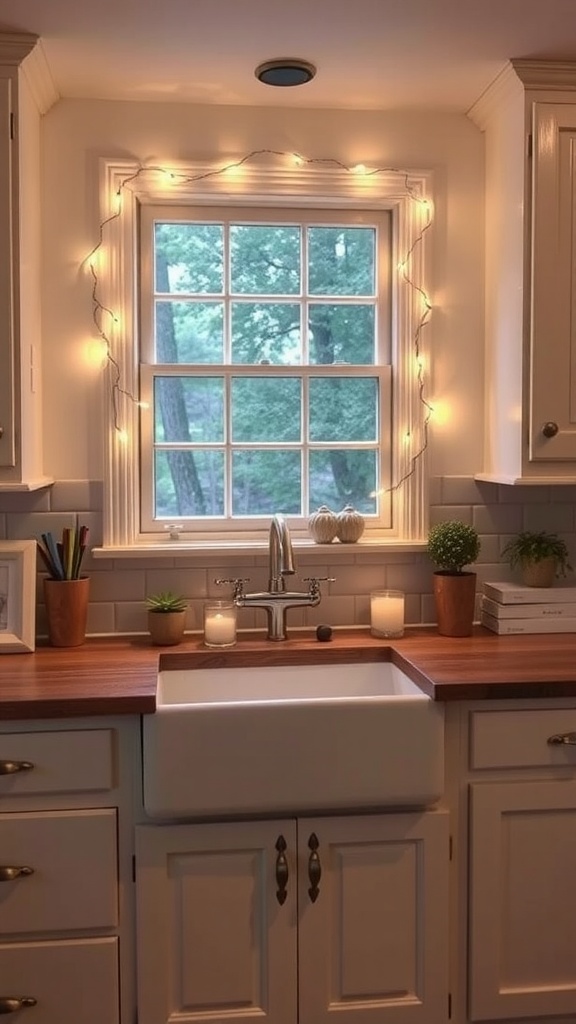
point(323, 525)
point(350, 525)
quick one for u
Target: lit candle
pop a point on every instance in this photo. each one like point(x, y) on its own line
point(387, 613)
point(220, 624)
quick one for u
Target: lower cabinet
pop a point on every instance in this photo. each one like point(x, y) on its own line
point(518, 793)
point(294, 920)
point(66, 911)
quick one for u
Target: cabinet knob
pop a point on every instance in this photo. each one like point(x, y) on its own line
point(11, 1004)
point(1, 433)
point(11, 767)
point(567, 738)
point(550, 429)
point(9, 872)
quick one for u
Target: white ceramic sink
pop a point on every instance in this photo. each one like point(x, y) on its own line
point(295, 738)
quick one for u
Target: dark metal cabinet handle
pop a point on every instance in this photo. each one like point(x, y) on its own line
point(281, 871)
point(11, 767)
point(550, 429)
point(9, 873)
point(11, 1004)
point(567, 738)
point(314, 868)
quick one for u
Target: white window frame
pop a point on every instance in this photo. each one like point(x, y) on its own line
point(123, 186)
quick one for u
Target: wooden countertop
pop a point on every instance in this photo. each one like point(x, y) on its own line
point(118, 676)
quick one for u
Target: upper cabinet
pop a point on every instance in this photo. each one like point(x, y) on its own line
point(20, 261)
point(529, 119)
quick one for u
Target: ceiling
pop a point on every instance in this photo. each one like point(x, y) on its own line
point(370, 54)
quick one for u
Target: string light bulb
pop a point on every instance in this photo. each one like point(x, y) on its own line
point(102, 315)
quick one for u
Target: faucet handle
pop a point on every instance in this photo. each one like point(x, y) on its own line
point(237, 583)
point(315, 582)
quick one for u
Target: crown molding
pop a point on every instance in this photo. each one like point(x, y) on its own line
point(15, 46)
point(545, 74)
point(39, 79)
point(504, 86)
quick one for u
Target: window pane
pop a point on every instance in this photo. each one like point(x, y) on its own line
point(343, 409)
point(339, 478)
point(266, 410)
point(188, 258)
point(189, 332)
point(341, 261)
point(265, 259)
point(189, 483)
point(342, 334)
point(266, 332)
point(265, 482)
point(188, 409)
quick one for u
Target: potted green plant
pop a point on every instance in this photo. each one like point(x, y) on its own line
point(452, 546)
point(166, 618)
point(541, 557)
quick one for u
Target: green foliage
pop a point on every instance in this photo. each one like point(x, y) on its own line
point(452, 545)
point(266, 328)
point(527, 547)
point(166, 602)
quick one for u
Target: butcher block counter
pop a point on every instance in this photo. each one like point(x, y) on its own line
point(118, 675)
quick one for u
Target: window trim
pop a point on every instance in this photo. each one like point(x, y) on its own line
point(126, 184)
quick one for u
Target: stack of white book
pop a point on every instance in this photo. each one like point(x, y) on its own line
point(511, 608)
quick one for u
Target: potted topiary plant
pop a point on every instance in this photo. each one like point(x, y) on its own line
point(166, 618)
point(541, 557)
point(451, 546)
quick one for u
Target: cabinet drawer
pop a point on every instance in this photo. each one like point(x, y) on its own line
point(63, 762)
point(73, 884)
point(73, 982)
point(519, 739)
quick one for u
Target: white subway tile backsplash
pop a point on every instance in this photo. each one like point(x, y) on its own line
point(119, 587)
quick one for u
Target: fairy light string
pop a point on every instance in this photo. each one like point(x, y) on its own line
point(105, 318)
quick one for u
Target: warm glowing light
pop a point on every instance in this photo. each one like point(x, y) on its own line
point(122, 435)
point(298, 160)
point(359, 169)
point(232, 171)
point(96, 354)
point(440, 412)
point(143, 405)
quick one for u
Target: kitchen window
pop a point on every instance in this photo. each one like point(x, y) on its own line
point(269, 355)
point(265, 365)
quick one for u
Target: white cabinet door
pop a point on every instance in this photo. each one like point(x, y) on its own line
point(522, 900)
point(215, 941)
point(553, 315)
point(373, 943)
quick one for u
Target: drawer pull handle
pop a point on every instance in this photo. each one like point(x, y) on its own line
point(11, 1004)
point(8, 873)
point(11, 767)
point(314, 868)
point(281, 871)
point(567, 738)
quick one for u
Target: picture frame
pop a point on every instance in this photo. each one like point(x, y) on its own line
point(17, 596)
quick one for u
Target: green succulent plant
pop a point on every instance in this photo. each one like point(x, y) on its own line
point(452, 545)
point(528, 547)
point(166, 602)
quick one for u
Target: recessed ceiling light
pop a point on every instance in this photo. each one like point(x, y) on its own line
point(285, 71)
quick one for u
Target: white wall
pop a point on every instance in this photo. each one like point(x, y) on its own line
point(76, 133)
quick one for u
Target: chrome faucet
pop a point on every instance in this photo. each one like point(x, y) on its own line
point(277, 600)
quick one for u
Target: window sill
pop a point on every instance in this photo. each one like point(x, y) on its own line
point(245, 548)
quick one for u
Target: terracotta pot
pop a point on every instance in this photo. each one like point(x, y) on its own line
point(66, 610)
point(166, 628)
point(455, 597)
point(539, 574)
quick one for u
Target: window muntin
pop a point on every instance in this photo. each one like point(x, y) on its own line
point(267, 376)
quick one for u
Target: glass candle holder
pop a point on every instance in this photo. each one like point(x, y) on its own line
point(220, 624)
point(387, 613)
